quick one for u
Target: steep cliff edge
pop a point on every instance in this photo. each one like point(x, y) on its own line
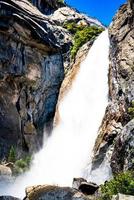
point(117, 130)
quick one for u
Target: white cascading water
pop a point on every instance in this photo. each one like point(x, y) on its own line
point(67, 152)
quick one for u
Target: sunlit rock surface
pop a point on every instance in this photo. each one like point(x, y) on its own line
point(116, 130)
point(53, 192)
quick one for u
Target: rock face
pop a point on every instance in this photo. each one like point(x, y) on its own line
point(68, 14)
point(31, 72)
point(117, 126)
point(53, 192)
point(47, 6)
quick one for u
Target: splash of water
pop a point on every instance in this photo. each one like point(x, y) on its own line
point(68, 150)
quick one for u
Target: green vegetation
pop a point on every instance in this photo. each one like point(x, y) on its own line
point(19, 165)
point(12, 155)
point(81, 37)
point(121, 183)
point(22, 165)
point(72, 27)
point(131, 110)
point(61, 1)
point(82, 34)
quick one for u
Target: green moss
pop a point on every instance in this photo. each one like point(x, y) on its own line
point(121, 183)
point(131, 112)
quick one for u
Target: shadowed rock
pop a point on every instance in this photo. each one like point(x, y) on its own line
point(8, 198)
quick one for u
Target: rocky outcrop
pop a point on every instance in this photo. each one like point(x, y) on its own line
point(53, 192)
point(31, 72)
point(68, 14)
point(117, 126)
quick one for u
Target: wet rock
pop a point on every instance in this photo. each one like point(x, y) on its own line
point(53, 192)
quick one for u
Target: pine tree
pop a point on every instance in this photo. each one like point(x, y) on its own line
point(12, 155)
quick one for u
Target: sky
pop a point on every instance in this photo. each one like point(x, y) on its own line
point(104, 10)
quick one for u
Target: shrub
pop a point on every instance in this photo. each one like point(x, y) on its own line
point(72, 27)
point(121, 183)
point(131, 110)
point(82, 35)
point(22, 165)
point(60, 1)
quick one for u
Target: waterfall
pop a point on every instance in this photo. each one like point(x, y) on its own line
point(69, 149)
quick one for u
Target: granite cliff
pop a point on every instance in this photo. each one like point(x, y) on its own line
point(116, 134)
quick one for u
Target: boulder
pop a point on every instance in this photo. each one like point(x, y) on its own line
point(5, 171)
point(48, 192)
point(77, 182)
point(88, 188)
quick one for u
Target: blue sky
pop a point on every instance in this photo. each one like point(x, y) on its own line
point(104, 10)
